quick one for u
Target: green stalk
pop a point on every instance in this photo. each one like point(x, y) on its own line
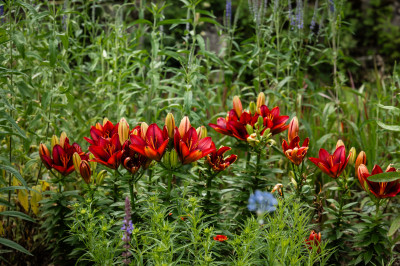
point(132, 184)
point(258, 168)
point(248, 160)
point(115, 189)
point(169, 185)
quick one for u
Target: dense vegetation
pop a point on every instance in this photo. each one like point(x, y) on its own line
point(198, 132)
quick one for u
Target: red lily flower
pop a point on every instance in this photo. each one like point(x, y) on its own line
point(233, 125)
point(132, 160)
point(62, 157)
point(220, 238)
point(313, 240)
point(217, 161)
point(380, 190)
point(273, 120)
point(107, 152)
point(151, 143)
point(332, 165)
point(293, 151)
point(107, 131)
point(190, 148)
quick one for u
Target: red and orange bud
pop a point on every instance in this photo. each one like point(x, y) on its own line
point(76, 159)
point(313, 240)
point(105, 120)
point(143, 129)
point(170, 124)
point(260, 100)
point(237, 106)
point(293, 129)
point(184, 126)
point(201, 132)
point(84, 169)
point(339, 143)
point(44, 153)
point(361, 159)
point(123, 131)
point(362, 173)
point(63, 137)
point(353, 153)
point(54, 141)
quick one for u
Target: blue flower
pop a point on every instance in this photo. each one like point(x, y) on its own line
point(262, 202)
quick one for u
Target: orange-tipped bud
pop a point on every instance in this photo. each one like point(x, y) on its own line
point(260, 100)
point(76, 159)
point(123, 131)
point(105, 120)
point(361, 159)
point(143, 129)
point(339, 143)
point(170, 124)
point(43, 151)
point(201, 132)
point(99, 126)
point(84, 169)
point(293, 129)
point(54, 141)
point(362, 169)
point(237, 106)
point(62, 139)
point(184, 126)
point(353, 153)
point(278, 187)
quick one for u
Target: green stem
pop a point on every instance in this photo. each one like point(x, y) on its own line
point(209, 180)
point(248, 160)
point(169, 184)
point(377, 204)
point(115, 189)
point(258, 168)
point(132, 184)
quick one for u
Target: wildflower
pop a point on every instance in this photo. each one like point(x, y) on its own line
point(107, 151)
point(380, 190)
point(332, 165)
point(262, 202)
point(272, 119)
point(228, 13)
point(313, 240)
point(332, 6)
point(127, 229)
point(299, 14)
point(312, 26)
point(62, 159)
point(217, 161)
point(220, 238)
point(106, 131)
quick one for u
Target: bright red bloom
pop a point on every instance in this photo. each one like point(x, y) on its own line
point(380, 190)
point(217, 161)
point(332, 165)
point(106, 131)
point(293, 151)
point(272, 120)
point(62, 157)
point(220, 238)
point(313, 240)
point(190, 148)
point(153, 144)
point(107, 152)
point(132, 160)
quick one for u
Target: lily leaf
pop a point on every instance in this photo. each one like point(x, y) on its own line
point(385, 177)
point(13, 245)
point(395, 226)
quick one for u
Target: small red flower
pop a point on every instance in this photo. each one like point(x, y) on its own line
point(272, 120)
point(380, 190)
point(217, 161)
point(220, 238)
point(107, 151)
point(190, 148)
point(332, 165)
point(106, 131)
point(132, 160)
point(293, 151)
point(62, 157)
point(151, 143)
point(313, 240)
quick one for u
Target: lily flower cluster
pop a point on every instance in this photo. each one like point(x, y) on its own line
point(250, 125)
point(293, 151)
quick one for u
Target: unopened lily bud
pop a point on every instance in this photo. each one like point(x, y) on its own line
point(260, 122)
point(252, 108)
point(123, 131)
point(293, 129)
point(105, 120)
point(99, 126)
point(352, 158)
point(277, 187)
point(201, 132)
point(361, 173)
point(143, 129)
point(260, 100)
point(100, 177)
point(63, 137)
point(339, 143)
point(170, 124)
point(54, 141)
point(361, 159)
point(92, 163)
point(76, 159)
point(267, 133)
point(184, 126)
point(252, 139)
point(165, 159)
point(237, 106)
point(84, 169)
point(293, 182)
point(249, 129)
point(173, 158)
point(43, 150)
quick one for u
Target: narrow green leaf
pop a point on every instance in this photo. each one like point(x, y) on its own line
point(13, 123)
point(395, 226)
point(15, 173)
point(385, 177)
point(13, 245)
point(20, 215)
point(388, 127)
